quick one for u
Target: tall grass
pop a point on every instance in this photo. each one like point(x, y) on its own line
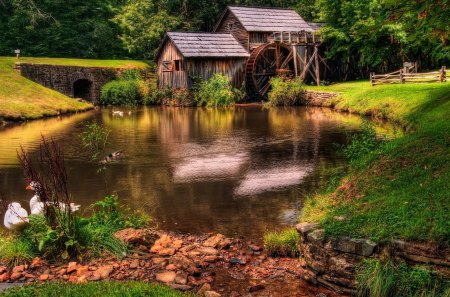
point(385, 278)
point(283, 243)
point(285, 92)
point(15, 250)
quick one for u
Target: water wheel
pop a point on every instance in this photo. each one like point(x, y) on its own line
point(265, 62)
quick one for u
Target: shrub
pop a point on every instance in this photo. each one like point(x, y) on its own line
point(15, 250)
point(385, 278)
point(217, 92)
point(283, 244)
point(286, 92)
point(121, 92)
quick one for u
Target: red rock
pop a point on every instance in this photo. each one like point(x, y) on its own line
point(214, 241)
point(134, 264)
point(178, 243)
point(134, 236)
point(167, 252)
point(73, 278)
point(62, 271)
point(208, 251)
point(15, 276)
point(212, 294)
point(95, 276)
point(165, 240)
point(29, 275)
point(160, 261)
point(71, 267)
point(171, 267)
point(83, 270)
point(120, 276)
point(43, 277)
point(105, 271)
point(166, 276)
point(92, 268)
point(224, 244)
point(36, 263)
point(142, 248)
point(211, 259)
point(3, 269)
point(4, 277)
point(19, 268)
point(256, 288)
point(206, 287)
point(181, 278)
point(82, 279)
point(156, 248)
point(255, 248)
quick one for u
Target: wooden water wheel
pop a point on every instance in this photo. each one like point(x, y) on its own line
point(265, 62)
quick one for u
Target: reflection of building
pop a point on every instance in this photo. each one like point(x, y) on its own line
point(249, 44)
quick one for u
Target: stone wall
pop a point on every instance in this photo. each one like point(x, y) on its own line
point(333, 262)
point(63, 78)
point(318, 98)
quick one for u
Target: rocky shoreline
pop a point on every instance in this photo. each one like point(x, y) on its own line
point(209, 265)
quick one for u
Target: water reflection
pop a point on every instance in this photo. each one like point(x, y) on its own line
point(236, 171)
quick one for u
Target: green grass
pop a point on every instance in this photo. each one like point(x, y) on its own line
point(23, 99)
point(401, 189)
point(15, 251)
point(283, 243)
point(110, 289)
point(380, 278)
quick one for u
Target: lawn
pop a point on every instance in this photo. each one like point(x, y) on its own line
point(110, 289)
point(400, 190)
point(22, 99)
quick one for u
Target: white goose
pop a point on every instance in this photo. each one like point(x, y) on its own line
point(16, 217)
point(37, 207)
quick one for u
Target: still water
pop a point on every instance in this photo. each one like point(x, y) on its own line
point(239, 171)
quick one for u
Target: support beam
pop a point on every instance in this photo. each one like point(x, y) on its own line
point(294, 50)
point(317, 66)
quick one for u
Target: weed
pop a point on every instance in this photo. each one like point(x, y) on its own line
point(283, 243)
point(15, 250)
point(285, 92)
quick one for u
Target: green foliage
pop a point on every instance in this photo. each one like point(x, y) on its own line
point(94, 139)
point(283, 243)
point(285, 92)
point(120, 92)
point(15, 250)
point(384, 278)
point(361, 144)
point(94, 289)
point(217, 92)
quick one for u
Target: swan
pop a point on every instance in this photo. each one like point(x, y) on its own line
point(37, 207)
point(16, 217)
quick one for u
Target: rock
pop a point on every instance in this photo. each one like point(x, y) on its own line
point(165, 240)
point(166, 276)
point(316, 235)
point(171, 267)
point(167, 251)
point(82, 270)
point(160, 261)
point(180, 287)
point(321, 295)
point(224, 244)
point(62, 271)
point(212, 294)
point(134, 264)
point(36, 263)
point(4, 277)
point(363, 247)
point(305, 228)
point(206, 287)
point(104, 271)
point(255, 248)
point(3, 269)
point(210, 259)
point(184, 263)
point(255, 288)
point(19, 268)
point(135, 236)
point(43, 277)
point(208, 251)
point(214, 241)
point(71, 267)
point(178, 243)
point(237, 261)
point(181, 278)
point(82, 279)
point(15, 276)
point(29, 276)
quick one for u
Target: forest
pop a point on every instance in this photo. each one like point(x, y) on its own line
point(371, 34)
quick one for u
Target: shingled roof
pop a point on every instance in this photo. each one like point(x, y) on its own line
point(199, 44)
point(259, 19)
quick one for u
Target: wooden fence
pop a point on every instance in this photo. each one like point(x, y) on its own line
point(403, 76)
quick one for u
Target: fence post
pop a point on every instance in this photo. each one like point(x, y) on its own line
point(443, 75)
point(402, 79)
point(371, 78)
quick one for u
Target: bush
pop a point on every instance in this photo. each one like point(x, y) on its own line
point(283, 244)
point(121, 92)
point(217, 92)
point(385, 278)
point(15, 250)
point(286, 92)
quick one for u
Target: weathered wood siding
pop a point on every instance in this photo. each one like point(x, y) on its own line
point(174, 79)
point(230, 24)
point(204, 68)
point(257, 39)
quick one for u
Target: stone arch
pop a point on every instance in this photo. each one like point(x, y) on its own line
point(83, 88)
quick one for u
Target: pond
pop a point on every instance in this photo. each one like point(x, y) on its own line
point(239, 171)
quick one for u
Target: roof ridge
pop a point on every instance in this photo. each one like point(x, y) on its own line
point(260, 7)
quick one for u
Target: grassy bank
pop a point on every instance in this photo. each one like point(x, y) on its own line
point(22, 99)
point(111, 289)
point(401, 189)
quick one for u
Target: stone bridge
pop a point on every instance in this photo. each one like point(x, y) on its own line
point(73, 81)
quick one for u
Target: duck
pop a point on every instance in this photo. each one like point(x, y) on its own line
point(112, 157)
point(37, 207)
point(117, 113)
point(16, 217)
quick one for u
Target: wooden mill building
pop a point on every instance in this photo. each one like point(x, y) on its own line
point(249, 45)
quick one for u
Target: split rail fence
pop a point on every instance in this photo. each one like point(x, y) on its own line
point(404, 76)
